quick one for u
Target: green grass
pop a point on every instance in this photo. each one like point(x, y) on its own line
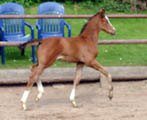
point(109, 55)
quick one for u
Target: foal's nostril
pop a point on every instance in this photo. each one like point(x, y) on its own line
point(113, 32)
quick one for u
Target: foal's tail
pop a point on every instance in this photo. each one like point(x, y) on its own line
point(29, 43)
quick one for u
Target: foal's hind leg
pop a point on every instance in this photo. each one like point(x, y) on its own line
point(32, 68)
point(96, 65)
point(33, 78)
point(39, 83)
point(76, 82)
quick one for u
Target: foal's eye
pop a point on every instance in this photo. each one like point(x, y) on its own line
point(107, 22)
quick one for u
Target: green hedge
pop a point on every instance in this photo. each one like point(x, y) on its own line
point(109, 5)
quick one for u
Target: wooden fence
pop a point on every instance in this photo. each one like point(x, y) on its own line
point(116, 16)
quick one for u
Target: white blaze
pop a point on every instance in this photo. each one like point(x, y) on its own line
point(109, 22)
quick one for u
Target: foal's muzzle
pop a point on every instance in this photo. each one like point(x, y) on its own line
point(113, 32)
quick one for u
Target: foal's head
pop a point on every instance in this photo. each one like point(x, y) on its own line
point(104, 23)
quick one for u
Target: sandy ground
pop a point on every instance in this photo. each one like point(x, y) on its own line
point(129, 103)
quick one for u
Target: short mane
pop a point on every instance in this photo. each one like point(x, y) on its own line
point(88, 22)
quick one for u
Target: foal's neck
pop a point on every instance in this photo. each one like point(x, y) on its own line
point(91, 30)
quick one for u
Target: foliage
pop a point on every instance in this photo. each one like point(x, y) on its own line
point(109, 5)
point(109, 55)
point(22, 2)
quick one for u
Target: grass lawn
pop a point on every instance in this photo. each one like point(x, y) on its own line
point(109, 55)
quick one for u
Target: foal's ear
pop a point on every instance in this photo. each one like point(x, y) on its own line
point(102, 13)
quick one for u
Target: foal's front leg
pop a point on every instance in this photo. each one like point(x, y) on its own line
point(96, 65)
point(76, 82)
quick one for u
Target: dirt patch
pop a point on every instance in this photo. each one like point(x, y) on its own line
point(129, 103)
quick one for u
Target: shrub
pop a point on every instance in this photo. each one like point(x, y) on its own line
point(109, 5)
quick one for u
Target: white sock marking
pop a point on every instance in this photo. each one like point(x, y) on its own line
point(109, 22)
point(40, 86)
point(109, 76)
point(25, 96)
point(72, 95)
point(40, 90)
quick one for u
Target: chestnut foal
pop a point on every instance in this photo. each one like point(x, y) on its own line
point(81, 50)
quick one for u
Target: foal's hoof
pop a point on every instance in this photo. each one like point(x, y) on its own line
point(37, 99)
point(24, 106)
point(74, 104)
point(110, 92)
point(110, 95)
point(39, 96)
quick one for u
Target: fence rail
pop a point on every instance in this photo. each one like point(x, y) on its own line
point(99, 42)
point(69, 16)
point(122, 41)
